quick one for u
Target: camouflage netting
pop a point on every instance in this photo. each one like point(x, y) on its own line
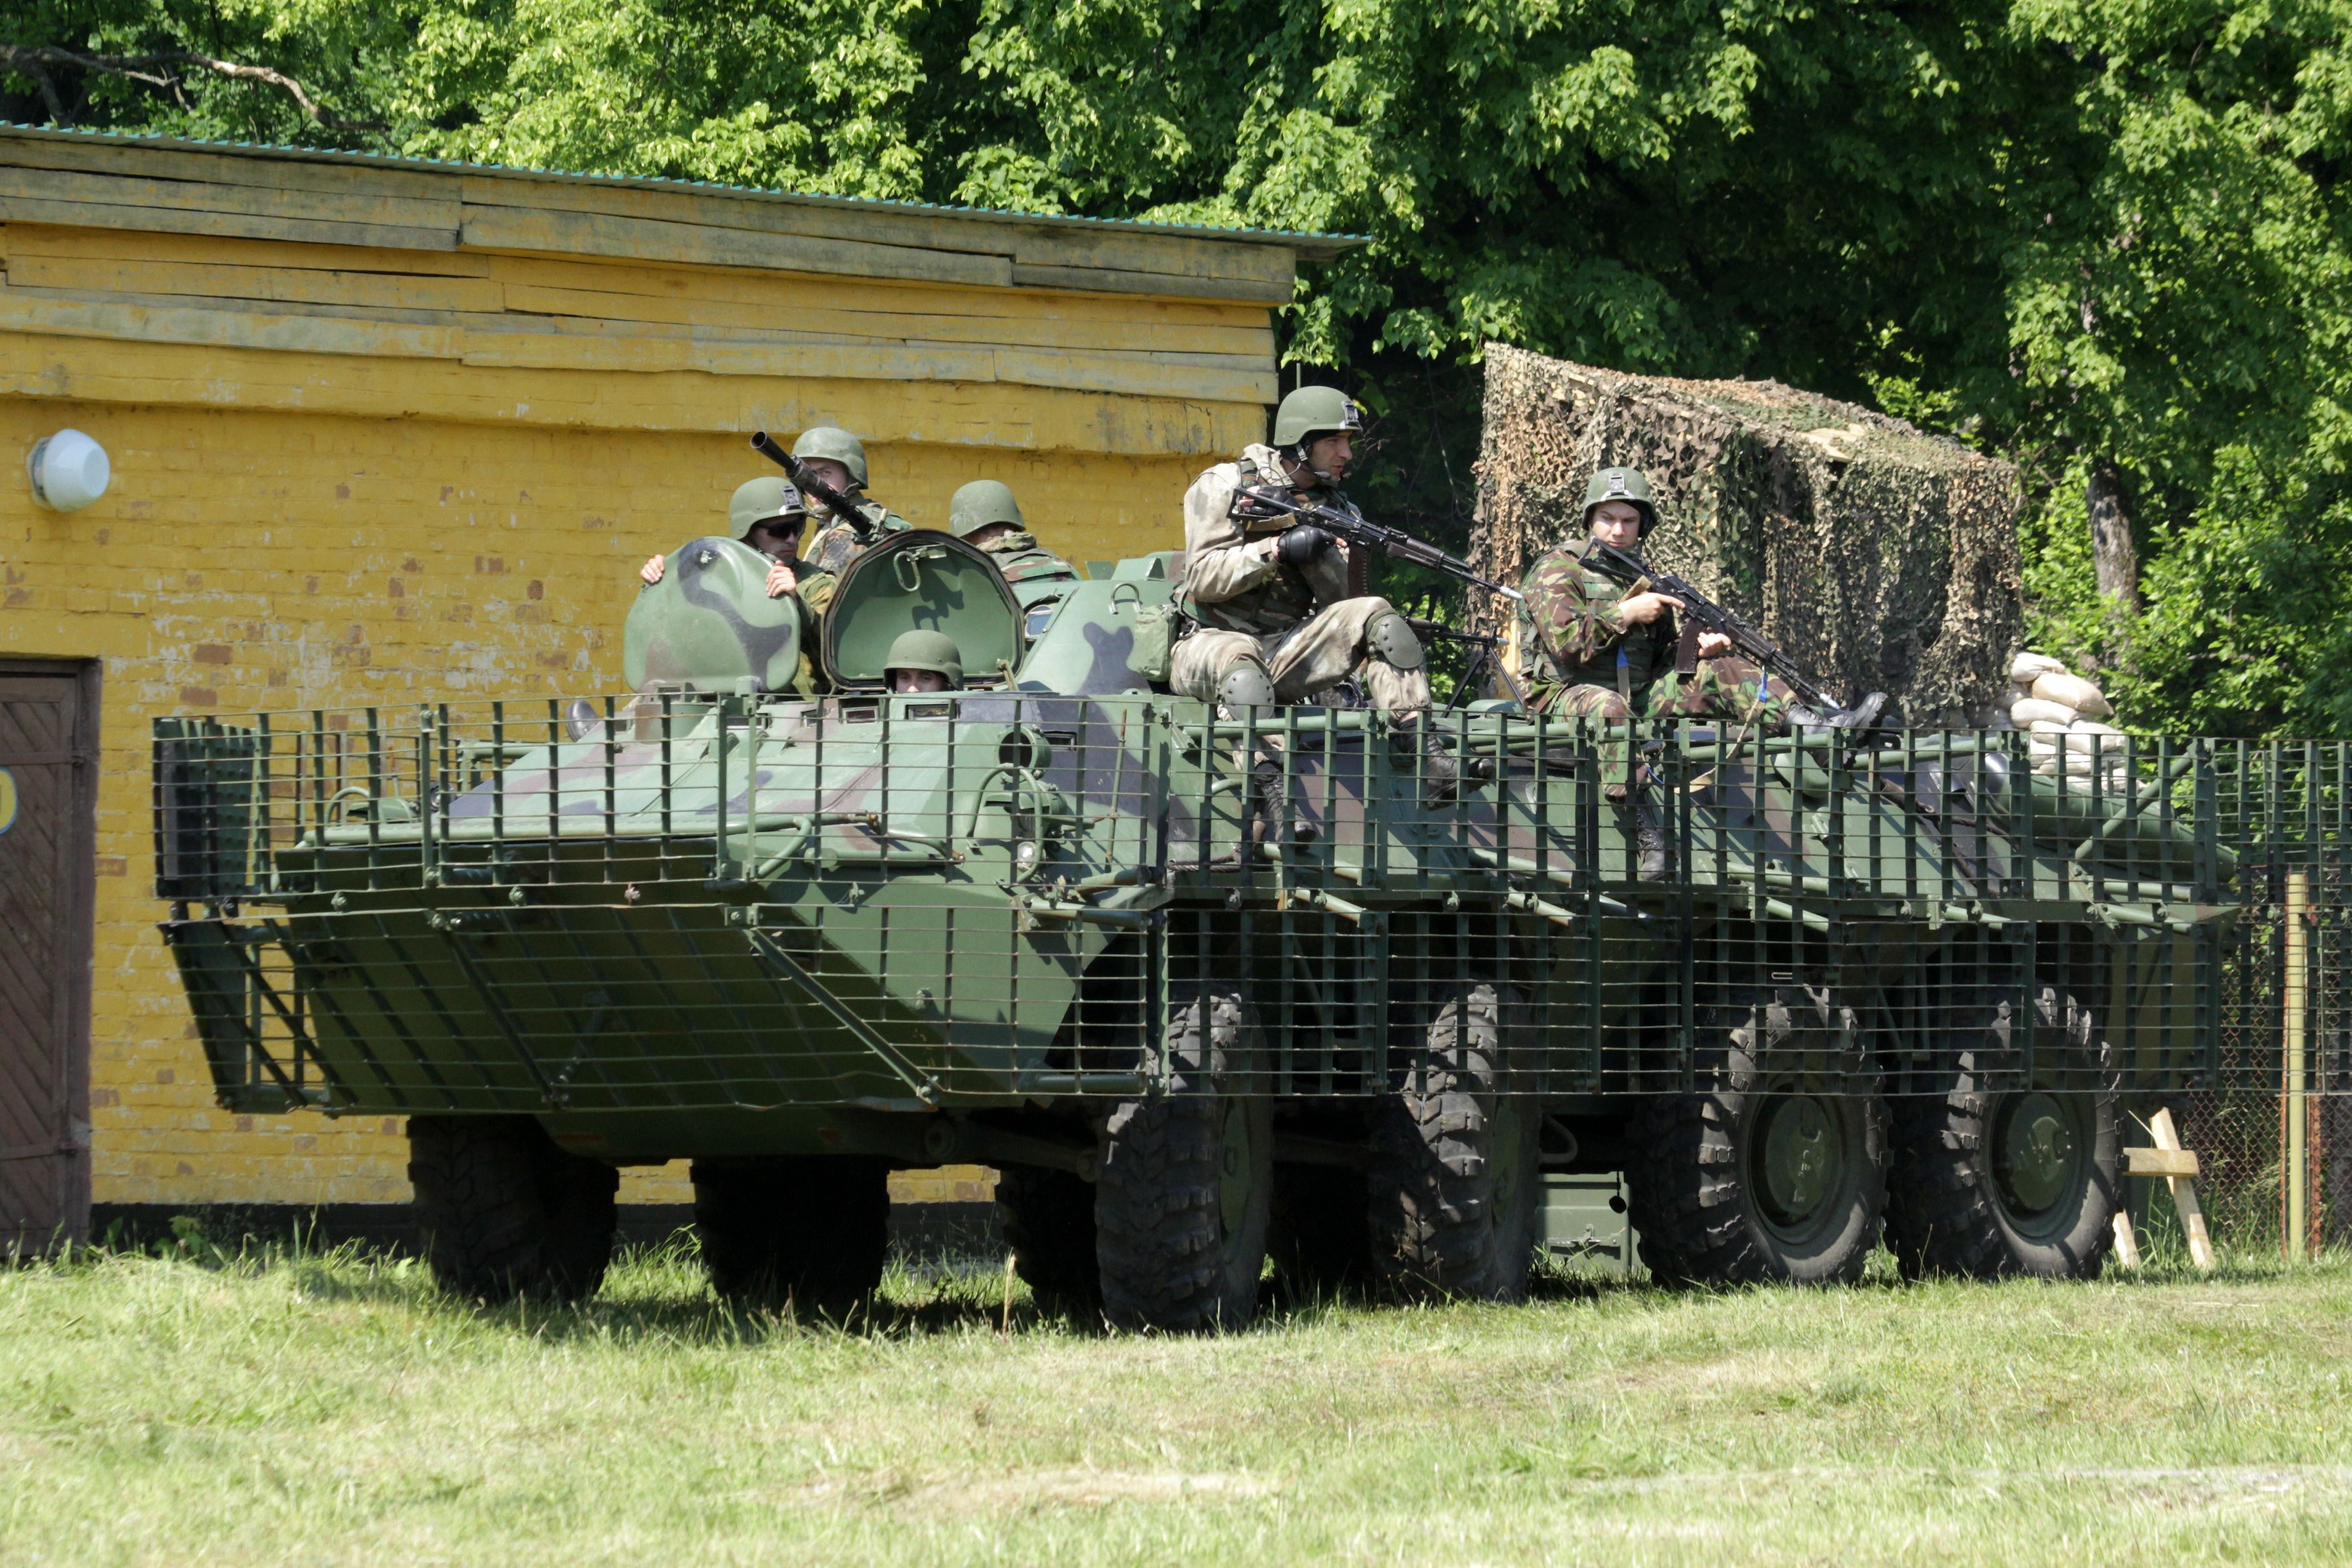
point(1880, 557)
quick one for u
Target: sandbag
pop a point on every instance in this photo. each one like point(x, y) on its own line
point(2091, 743)
point(2028, 668)
point(2047, 727)
point(2071, 692)
point(2029, 711)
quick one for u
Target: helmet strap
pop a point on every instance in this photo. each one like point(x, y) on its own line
point(1297, 451)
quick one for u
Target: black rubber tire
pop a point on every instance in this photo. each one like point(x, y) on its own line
point(1048, 1220)
point(807, 1232)
point(1698, 1195)
point(1453, 1183)
point(504, 1212)
point(1952, 1209)
point(1181, 1202)
point(1319, 1234)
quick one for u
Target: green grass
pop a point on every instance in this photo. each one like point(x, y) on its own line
point(335, 1408)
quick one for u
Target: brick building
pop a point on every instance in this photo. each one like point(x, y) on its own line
point(384, 429)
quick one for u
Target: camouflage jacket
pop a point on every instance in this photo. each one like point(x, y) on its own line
point(1036, 573)
point(1228, 585)
point(835, 544)
point(1572, 634)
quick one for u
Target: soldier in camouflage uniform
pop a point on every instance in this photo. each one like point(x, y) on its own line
point(1270, 619)
point(766, 515)
point(984, 514)
point(1592, 650)
point(839, 459)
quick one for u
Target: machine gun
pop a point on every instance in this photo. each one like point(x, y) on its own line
point(1631, 570)
point(805, 481)
point(1485, 660)
point(1262, 502)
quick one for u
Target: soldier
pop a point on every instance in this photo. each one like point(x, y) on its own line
point(984, 514)
point(839, 459)
point(766, 515)
point(1594, 651)
point(923, 661)
point(1268, 599)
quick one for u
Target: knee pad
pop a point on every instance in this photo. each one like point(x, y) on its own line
point(1388, 637)
point(1245, 684)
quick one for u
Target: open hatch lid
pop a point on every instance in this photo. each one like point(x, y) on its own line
point(921, 580)
point(709, 625)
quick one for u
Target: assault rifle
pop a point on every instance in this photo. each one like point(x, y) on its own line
point(1261, 502)
point(1631, 570)
point(805, 481)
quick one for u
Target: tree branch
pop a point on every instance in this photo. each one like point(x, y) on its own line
point(41, 82)
point(144, 69)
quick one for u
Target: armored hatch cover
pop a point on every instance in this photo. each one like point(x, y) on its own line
point(921, 580)
point(709, 625)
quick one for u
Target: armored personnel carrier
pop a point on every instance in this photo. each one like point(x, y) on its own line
point(1208, 990)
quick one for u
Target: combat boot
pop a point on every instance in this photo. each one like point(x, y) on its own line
point(1637, 817)
point(1273, 805)
point(1444, 776)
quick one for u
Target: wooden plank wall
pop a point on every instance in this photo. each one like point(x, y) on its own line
point(178, 246)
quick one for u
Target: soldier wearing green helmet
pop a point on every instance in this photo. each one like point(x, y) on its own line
point(1271, 618)
point(920, 661)
point(1591, 649)
point(839, 459)
point(984, 514)
point(766, 515)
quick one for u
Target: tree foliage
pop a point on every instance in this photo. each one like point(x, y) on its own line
point(2078, 231)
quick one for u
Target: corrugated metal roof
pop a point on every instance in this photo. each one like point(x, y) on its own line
point(1308, 247)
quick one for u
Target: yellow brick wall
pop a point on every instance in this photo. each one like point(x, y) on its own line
point(265, 557)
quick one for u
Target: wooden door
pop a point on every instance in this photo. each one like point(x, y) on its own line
point(49, 778)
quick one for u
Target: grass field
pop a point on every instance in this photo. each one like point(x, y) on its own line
point(335, 1408)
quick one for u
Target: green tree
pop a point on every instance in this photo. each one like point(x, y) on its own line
point(2104, 236)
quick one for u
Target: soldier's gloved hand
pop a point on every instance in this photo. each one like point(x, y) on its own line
point(781, 581)
point(1302, 545)
point(651, 572)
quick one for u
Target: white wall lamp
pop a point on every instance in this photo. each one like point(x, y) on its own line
point(68, 470)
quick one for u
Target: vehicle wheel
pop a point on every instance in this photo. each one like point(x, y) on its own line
point(806, 1231)
point(1181, 1202)
point(1768, 1177)
point(1318, 1234)
point(504, 1212)
point(1049, 1219)
point(1453, 1183)
point(2013, 1181)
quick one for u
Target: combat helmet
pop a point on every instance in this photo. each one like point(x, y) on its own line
point(982, 504)
point(763, 499)
point(933, 651)
point(834, 443)
point(1312, 411)
point(1622, 484)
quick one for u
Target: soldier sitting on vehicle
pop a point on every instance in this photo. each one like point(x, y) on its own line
point(1271, 619)
point(1592, 650)
point(922, 661)
point(984, 514)
point(766, 515)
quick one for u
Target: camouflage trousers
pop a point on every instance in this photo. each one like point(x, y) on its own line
point(1730, 690)
point(1318, 653)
